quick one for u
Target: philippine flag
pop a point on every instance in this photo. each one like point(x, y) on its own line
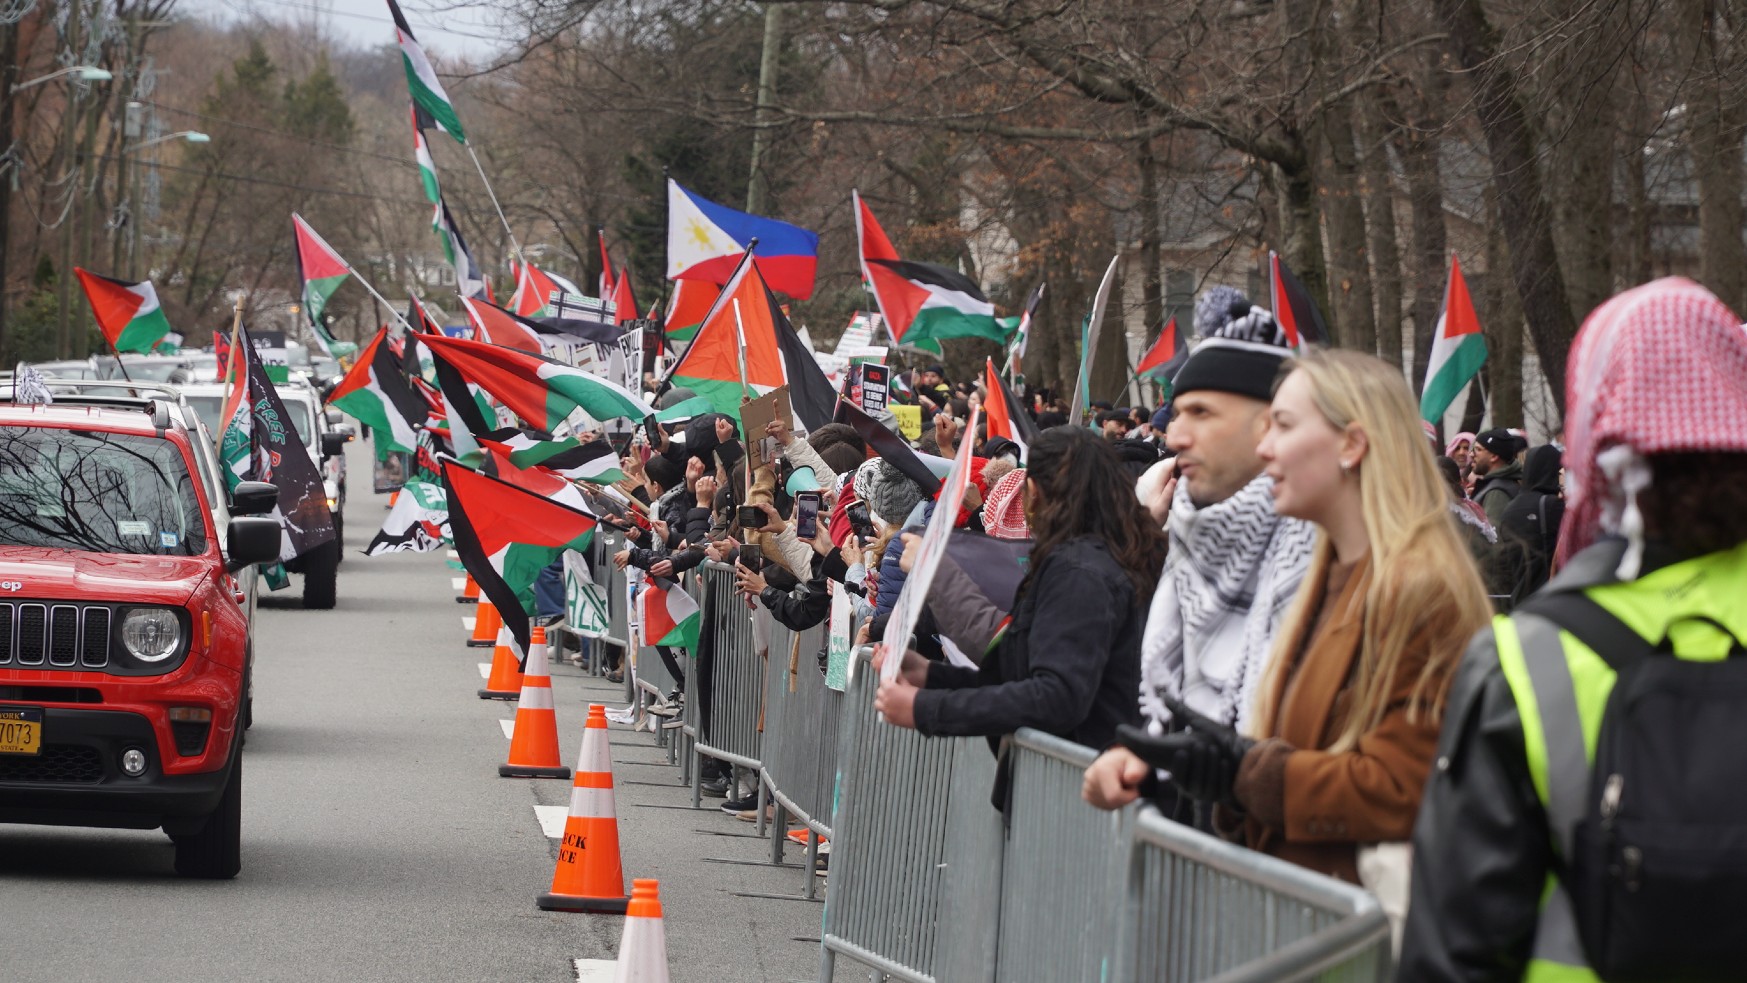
point(705, 241)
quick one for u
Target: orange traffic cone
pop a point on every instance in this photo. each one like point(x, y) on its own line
point(589, 876)
point(505, 682)
point(643, 947)
point(486, 622)
point(534, 744)
point(469, 591)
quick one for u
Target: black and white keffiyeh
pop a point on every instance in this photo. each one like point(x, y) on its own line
point(1234, 568)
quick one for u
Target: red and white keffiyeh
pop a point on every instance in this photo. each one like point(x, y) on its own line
point(1660, 368)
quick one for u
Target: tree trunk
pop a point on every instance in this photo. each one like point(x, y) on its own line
point(1355, 323)
point(1637, 193)
point(1385, 251)
point(1580, 122)
point(1503, 327)
point(1425, 198)
point(1517, 177)
point(1714, 126)
point(1301, 224)
point(1152, 284)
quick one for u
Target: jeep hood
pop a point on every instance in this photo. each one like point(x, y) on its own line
point(38, 574)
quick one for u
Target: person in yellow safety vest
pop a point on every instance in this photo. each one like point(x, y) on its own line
point(1655, 534)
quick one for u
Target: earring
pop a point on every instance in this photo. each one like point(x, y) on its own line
point(1346, 467)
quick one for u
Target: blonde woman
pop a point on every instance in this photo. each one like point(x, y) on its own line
point(1347, 718)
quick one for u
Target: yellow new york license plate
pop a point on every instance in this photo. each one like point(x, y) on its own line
point(20, 731)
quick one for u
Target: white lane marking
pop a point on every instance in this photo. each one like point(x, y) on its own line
point(509, 727)
point(454, 555)
point(595, 970)
point(458, 583)
point(484, 670)
point(468, 621)
point(552, 820)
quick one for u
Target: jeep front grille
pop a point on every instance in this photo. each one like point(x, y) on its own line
point(58, 636)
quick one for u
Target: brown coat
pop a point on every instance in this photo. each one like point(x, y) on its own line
point(1335, 802)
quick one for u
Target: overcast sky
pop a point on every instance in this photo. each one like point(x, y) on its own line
point(468, 32)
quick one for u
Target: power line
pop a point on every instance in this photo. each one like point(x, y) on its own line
point(357, 16)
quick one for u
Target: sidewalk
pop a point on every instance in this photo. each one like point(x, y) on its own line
point(730, 915)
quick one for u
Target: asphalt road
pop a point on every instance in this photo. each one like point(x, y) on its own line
point(378, 842)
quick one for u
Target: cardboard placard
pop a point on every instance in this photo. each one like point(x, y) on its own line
point(755, 415)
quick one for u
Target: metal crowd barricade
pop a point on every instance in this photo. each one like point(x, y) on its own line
point(929, 883)
point(799, 740)
point(736, 695)
point(889, 852)
point(1203, 909)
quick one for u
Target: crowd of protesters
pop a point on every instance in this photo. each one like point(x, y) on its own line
point(1283, 610)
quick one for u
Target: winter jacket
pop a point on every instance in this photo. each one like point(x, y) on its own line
point(807, 605)
point(1482, 851)
point(1330, 802)
point(1069, 664)
point(1528, 528)
point(962, 612)
point(1498, 488)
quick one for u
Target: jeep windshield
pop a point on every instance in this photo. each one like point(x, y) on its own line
point(99, 492)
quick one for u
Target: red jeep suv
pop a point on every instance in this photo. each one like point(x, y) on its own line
point(124, 645)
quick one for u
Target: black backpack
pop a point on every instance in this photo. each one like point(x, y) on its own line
point(1658, 872)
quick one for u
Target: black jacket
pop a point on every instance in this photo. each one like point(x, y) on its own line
point(1528, 529)
point(1498, 488)
point(1069, 664)
point(1481, 847)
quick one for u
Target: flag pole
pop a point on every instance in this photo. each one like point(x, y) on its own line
point(515, 246)
point(230, 371)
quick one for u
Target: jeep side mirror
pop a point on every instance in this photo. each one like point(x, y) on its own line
point(335, 417)
point(333, 444)
point(251, 540)
point(254, 498)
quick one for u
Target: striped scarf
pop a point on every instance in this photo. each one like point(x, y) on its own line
point(1234, 567)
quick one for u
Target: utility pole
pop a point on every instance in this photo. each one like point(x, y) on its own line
point(757, 184)
point(64, 268)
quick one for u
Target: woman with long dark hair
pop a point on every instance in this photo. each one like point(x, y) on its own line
point(1069, 663)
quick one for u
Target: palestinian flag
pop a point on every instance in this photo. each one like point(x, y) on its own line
point(1005, 414)
point(624, 303)
point(540, 481)
point(1293, 307)
point(376, 392)
point(774, 355)
point(921, 300)
point(1458, 349)
point(421, 79)
point(469, 279)
point(494, 325)
point(421, 152)
point(540, 390)
point(259, 443)
point(890, 446)
point(685, 410)
point(669, 615)
point(1165, 357)
point(321, 271)
point(595, 461)
point(128, 313)
point(691, 301)
point(506, 535)
point(1016, 351)
point(606, 282)
point(534, 289)
point(418, 523)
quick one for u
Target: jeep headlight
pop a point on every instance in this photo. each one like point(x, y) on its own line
point(151, 635)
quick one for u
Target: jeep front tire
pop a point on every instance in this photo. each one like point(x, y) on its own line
point(216, 851)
